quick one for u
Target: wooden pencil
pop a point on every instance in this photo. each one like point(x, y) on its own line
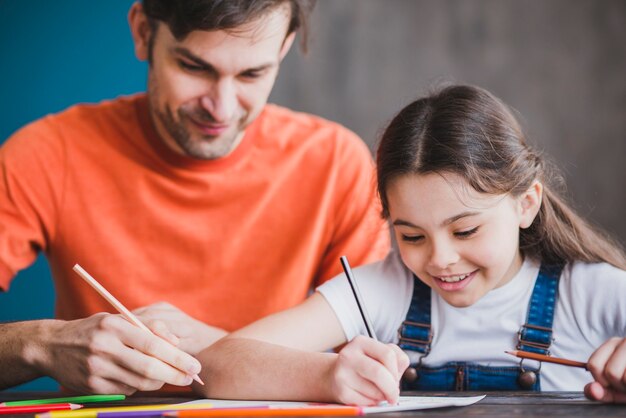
point(130, 317)
point(547, 359)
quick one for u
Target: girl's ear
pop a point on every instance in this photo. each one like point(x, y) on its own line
point(530, 203)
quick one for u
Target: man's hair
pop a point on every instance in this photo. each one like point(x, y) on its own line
point(185, 16)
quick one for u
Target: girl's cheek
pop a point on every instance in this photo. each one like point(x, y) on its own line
point(414, 258)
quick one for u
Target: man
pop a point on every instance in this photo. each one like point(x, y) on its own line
point(197, 194)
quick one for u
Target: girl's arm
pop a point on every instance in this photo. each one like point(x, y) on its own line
point(279, 358)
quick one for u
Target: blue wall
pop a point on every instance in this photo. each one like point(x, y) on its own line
point(54, 54)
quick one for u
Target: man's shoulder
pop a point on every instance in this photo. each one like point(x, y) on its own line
point(282, 125)
point(121, 107)
point(83, 115)
point(293, 121)
point(80, 123)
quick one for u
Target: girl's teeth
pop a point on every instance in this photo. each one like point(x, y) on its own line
point(453, 279)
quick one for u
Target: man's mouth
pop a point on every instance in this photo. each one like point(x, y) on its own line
point(212, 129)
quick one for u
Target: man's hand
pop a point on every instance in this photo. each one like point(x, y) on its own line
point(172, 324)
point(105, 354)
point(608, 367)
point(367, 372)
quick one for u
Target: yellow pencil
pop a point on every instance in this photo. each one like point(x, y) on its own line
point(93, 412)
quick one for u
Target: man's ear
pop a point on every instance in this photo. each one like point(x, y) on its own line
point(286, 45)
point(140, 30)
point(530, 203)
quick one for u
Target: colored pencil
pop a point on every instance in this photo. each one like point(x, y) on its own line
point(357, 297)
point(70, 399)
point(130, 317)
point(33, 409)
point(269, 411)
point(547, 359)
point(95, 412)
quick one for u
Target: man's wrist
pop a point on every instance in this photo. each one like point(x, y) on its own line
point(34, 343)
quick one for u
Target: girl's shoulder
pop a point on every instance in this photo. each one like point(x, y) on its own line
point(592, 275)
point(389, 274)
point(591, 300)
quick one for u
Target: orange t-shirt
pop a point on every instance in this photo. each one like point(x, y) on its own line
point(227, 241)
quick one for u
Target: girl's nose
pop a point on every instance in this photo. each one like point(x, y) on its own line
point(442, 255)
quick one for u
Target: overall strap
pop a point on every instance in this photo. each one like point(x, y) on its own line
point(415, 332)
point(536, 334)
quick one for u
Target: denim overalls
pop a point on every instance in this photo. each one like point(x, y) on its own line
point(535, 336)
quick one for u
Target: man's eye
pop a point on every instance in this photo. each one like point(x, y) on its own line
point(189, 67)
point(252, 74)
point(466, 234)
point(412, 238)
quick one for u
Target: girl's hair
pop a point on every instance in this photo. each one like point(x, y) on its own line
point(467, 131)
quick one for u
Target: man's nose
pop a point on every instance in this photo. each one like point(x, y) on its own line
point(220, 101)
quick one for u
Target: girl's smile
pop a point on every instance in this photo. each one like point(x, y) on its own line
point(454, 282)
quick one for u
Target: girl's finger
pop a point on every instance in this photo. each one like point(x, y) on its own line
point(597, 362)
point(403, 361)
point(381, 378)
point(615, 368)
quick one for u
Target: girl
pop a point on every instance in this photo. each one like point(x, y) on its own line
point(489, 259)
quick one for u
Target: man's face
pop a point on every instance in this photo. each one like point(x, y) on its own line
point(207, 88)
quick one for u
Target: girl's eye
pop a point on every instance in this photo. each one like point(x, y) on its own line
point(412, 238)
point(466, 234)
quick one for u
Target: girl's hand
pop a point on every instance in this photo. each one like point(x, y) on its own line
point(368, 372)
point(608, 367)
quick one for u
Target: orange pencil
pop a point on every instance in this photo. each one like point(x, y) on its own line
point(269, 412)
point(547, 359)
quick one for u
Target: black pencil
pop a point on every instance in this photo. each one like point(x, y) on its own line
point(357, 297)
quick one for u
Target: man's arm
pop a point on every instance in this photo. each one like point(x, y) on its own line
point(17, 346)
point(100, 354)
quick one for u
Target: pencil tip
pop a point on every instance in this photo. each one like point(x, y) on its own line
point(197, 379)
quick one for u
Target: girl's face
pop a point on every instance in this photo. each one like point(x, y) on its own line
point(458, 241)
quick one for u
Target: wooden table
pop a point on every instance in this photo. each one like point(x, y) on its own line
point(495, 404)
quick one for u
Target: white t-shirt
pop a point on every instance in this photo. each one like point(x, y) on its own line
point(590, 309)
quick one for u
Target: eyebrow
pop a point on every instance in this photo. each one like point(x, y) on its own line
point(452, 219)
point(189, 55)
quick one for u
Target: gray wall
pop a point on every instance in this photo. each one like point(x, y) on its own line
point(560, 63)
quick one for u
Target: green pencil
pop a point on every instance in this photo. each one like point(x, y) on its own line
point(72, 399)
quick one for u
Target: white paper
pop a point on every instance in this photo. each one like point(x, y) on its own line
point(412, 403)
